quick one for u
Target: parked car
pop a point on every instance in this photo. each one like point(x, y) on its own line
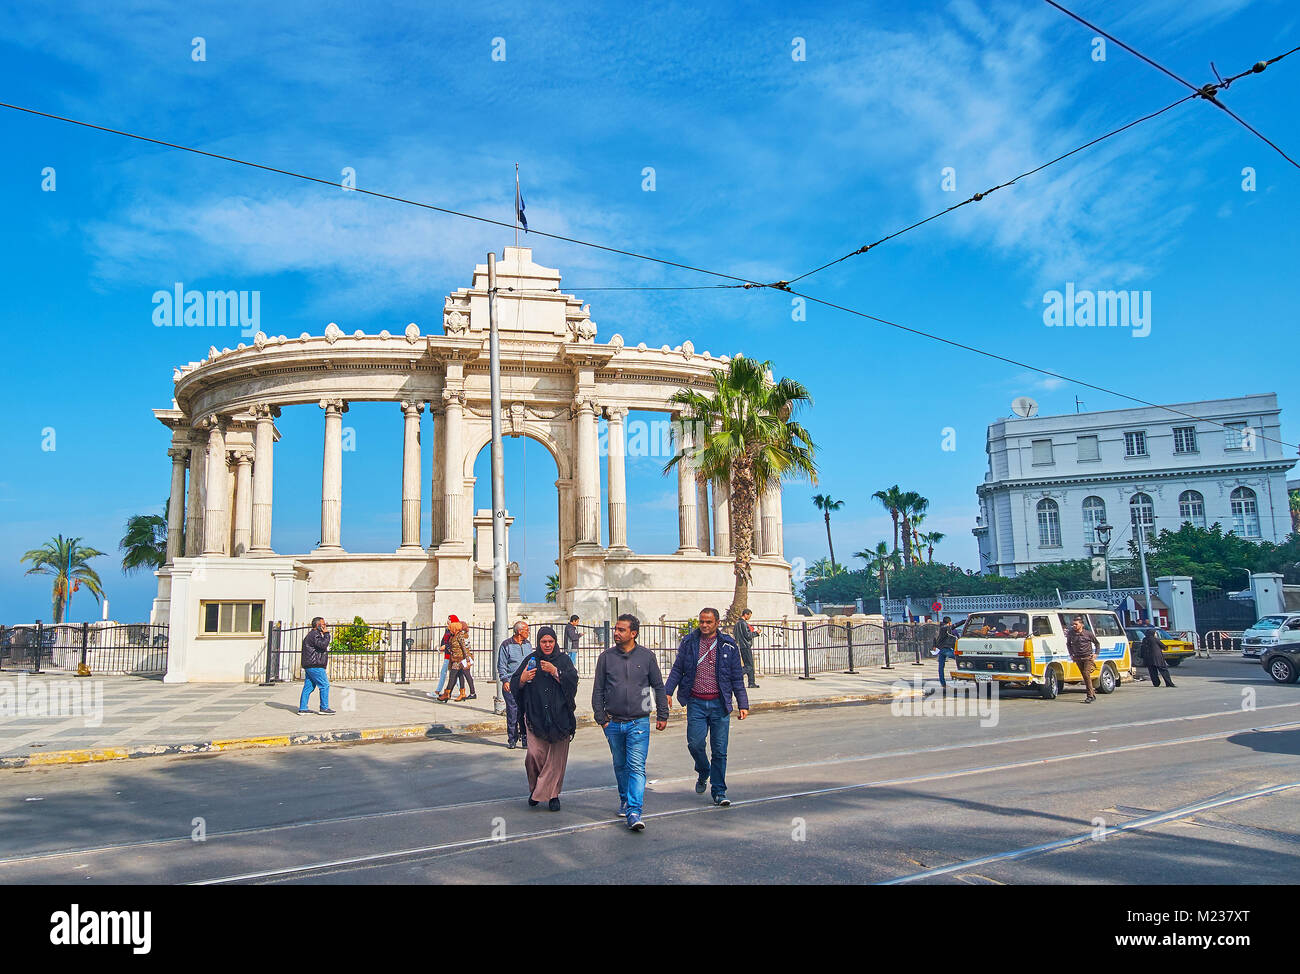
point(1282, 662)
point(1269, 632)
point(1176, 648)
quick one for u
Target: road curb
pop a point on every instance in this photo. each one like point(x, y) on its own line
point(405, 732)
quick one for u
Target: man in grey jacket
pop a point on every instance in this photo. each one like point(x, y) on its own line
point(627, 685)
point(510, 654)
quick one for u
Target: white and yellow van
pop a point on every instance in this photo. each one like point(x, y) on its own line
point(1026, 648)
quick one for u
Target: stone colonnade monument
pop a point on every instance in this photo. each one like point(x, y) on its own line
point(558, 382)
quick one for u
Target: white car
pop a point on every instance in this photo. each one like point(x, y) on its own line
point(1269, 633)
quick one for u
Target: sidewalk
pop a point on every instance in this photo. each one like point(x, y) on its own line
point(127, 717)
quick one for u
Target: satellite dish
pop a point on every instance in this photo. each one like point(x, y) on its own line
point(1024, 407)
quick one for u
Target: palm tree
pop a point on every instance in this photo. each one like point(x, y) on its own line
point(145, 542)
point(879, 560)
point(892, 500)
point(825, 568)
point(65, 560)
point(930, 540)
point(824, 503)
point(553, 588)
point(912, 505)
point(750, 435)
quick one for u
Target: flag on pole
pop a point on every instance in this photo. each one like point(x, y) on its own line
point(519, 204)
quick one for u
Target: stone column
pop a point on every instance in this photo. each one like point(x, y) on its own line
point(215, 524)
point(771, 510)
point(243, 502)
point(194, 497)
point(702, 512)
point(722, 518)
point(411, 474)
point(588, 503)
point(263, 476)
point(436, 487)
point(687, 519)
point(615, 415)
point(331, 481)
point(453, 473)
point(176, 502)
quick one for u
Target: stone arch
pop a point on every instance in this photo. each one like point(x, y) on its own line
point(480, 435)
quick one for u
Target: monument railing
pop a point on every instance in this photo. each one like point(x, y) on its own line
point(104, 648)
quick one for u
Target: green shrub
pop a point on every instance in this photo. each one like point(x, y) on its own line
point(356, 638)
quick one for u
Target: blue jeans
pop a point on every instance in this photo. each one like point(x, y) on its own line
point(711, 717)
point(944, 656)
point(629, 743)
point(573, 657)
point(313, 677)
point(442, 677)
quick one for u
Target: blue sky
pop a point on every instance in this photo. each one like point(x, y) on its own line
point(765, 166)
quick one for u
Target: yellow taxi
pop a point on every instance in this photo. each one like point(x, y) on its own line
point(1176, 649)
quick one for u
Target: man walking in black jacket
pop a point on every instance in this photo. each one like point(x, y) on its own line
point(626, 686)
point(1153, 655)
point(315, 660)
point(745, 634)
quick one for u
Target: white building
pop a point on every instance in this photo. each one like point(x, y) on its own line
point(1052, 479)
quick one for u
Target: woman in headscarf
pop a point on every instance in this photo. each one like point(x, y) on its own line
point(547, 692)
point(457, 649)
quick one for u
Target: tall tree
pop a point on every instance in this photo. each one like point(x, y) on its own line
point(65, 560)
point(930, 540)
point(880, 560)
point(892, 500)
point(144, 545)
point(824, 503)
point(911, 505)
point(750, 433)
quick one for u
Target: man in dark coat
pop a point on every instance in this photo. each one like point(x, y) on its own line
point(1153, 655)
point(744, 634)
point(1082, 646)
point(708, 672)
point(315, 660)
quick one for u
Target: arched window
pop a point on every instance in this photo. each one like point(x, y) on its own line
point(1142, 514)
point(1094, 513)
point(1245, 513)
point(1191, 507)
point(1049, 524)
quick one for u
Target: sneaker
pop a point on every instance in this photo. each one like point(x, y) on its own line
point(512, 745)
point(303, 713)
point(634, 822)
point(553, 804)
point(701, 783)
point(472, 696)
point(326, 710)
point(722, 800)
point(622, 809)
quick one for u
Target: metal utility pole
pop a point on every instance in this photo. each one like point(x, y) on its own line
point(1142, 557)
point(500, 590)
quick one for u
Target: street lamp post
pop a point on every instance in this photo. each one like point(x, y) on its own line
point(1103, 531)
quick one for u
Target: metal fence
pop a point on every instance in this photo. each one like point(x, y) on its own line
point(106, 648)
point(1220, 641)
point(397, 653)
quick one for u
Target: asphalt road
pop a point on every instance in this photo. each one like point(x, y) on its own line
point(1195, 784)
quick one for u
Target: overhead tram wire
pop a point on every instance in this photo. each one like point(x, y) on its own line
point(745, 284)
point(371, 192)
point(1206, 92)
point(1025, 365)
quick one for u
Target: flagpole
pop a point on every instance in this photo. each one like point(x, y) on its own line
point(516, 204)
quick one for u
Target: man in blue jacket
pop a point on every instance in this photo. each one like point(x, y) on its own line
point(707, 673)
